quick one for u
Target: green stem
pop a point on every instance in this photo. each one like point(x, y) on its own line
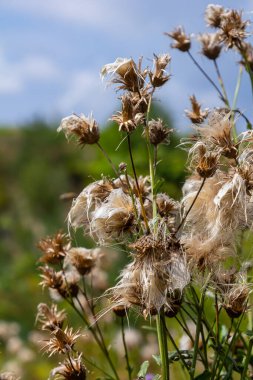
point(162, 341)
point(137, 184)
point(225, 96)
point(247, 360)
point(128, 366)
point(236, 93)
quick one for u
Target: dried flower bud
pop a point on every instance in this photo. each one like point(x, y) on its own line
point(166, 205)
point(196, 115)
point(51, 278)
point(235, 300)
point(233, 29)
point(158, 133)
point(70, 369)
point(54, 248)
point(159, 77)
point(211, 46)
point(84, 128)
point(50, 318)
point(61, 341)
point(128, 120)
point(84, 260)
point(182, 41)
point(213, 15)
point(125, 72)
point(207, 163)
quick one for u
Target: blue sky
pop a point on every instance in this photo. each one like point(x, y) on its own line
point(51, 52)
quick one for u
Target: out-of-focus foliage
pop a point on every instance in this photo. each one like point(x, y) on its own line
point(37, 165)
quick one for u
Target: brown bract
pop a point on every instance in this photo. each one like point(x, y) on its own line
point(157, 131)
point(61, 341)
point(85, 129)
point(233, 29)
point(159, 77)
point(54, 248)
point(50, 318)
point(182, 41)
point(196, 115)
point(71, 369)
point(213, 15)
point(127, 119)
point(125, 72)
point(210, 44)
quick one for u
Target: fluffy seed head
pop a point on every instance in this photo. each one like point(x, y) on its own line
point(127, 119)
point(85, 129)
point(235, 300)
point(233, 29)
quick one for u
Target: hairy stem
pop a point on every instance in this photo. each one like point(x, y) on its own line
point(163, 347)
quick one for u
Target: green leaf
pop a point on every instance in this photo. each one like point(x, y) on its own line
point(204, 376)
point(157, 359)
point(143, 370)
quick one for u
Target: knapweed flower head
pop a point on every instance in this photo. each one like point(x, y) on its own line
point(49, 317)
point(214, 14)
point(54, 248)
point(210, 45)
point(125, 72)
point(158, 132)
point(84, 129)
point(196, 114)
point(61, 341)
point(159, 76)
point(129, 118)
point(72, 368)
point(182, 42)
point(83, 259)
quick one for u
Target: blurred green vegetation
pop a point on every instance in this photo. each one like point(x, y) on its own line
point(37, 165)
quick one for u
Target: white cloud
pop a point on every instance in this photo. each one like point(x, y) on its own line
point(85, 93)
point(89, 12)
point(15, 76)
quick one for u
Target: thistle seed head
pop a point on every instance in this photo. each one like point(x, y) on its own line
point(54, 248)
point(211, 45)
point(85, 129)
point(196, 114)
point(182, 41)
point(158, 133)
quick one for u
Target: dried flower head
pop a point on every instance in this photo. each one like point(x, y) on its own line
point(157, 131)
point(233, 29)
point(61, 341)
point(51, 278)
point(166, 205)
point(196, 115)
point(205, 162)
point(213, 15)
point(83, 259)
point(71, 369)
point(159, 77)
point(124, 71)
point(182, 41)
point(85, 129)
point(54, 248)
point(211, 45)
point(235, 300)
point(127, 119)
point(50, 318)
